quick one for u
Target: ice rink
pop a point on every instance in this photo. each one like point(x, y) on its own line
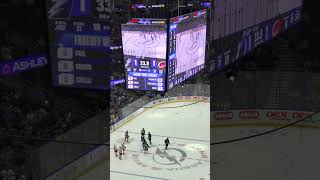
point(186, 124)
point(290, 154)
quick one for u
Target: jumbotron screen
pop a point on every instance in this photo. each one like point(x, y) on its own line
point(144, 47)
point(187, 44)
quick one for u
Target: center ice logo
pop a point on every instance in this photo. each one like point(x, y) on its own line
point(173, 159)
point(163, 158)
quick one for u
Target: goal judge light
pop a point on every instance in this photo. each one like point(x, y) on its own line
point(162, 53)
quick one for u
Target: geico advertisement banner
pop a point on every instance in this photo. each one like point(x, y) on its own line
point(23, 64)
point(192, 98)
point(229, 49)
point(265, 115)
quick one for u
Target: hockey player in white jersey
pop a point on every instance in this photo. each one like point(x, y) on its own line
point(123, 147)
point(120, 153)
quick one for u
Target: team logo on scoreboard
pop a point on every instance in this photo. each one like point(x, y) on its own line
point(175, 158)
point(162, 65)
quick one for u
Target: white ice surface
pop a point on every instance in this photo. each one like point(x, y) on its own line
point(188, 129)
point(290, 154)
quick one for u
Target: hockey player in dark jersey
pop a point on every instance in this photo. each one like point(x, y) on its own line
point(126, 137)
point(167, 142)
point(145, 146)
point(115, 150)
point(149, 138)
point(143, 132)
point(143, 140)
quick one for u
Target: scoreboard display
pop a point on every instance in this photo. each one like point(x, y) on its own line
point(144, 44)
point(79, 36)
point(160, 53)
point(67, 9)
point(187, 45)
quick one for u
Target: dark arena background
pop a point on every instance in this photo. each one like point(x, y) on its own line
point(223, 89)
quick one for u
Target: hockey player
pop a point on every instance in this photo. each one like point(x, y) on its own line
point(126, 137)
point(143, 132)
point(143, 141)
point(123, 147)
point(120, 153)
point(167, 142)
point(142, 138)
point(145, 146)
point(115, 150)
point(149, 138)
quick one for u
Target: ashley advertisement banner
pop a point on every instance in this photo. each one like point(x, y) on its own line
point(23, 64)
point(229, 49)
point(116, 82)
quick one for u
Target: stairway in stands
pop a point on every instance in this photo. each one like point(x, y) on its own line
point(283, 76)
point(314, 98)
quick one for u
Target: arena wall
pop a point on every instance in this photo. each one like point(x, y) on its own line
point(231, 16)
